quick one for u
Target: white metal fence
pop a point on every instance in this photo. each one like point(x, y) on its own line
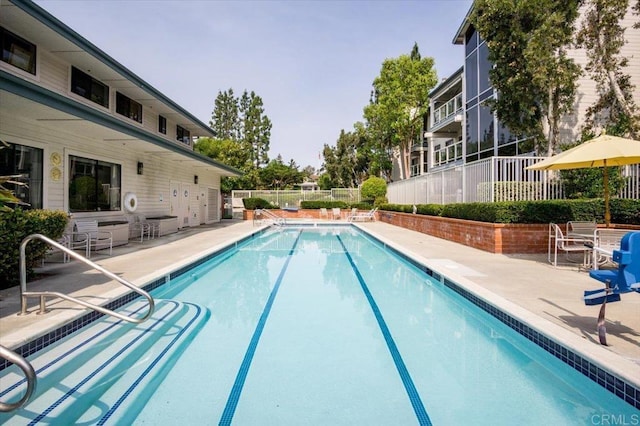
point(285, 198)
point(632, 189)
point(490, 180)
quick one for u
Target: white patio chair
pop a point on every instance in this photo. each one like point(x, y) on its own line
point(605, 242)
point(138, 229)
point(65, 241)
point(87, 233)
point(558, 242)
point(368, 216)
point(586, 229)
point(150, 229)
point(323, 213)
point(336, 213)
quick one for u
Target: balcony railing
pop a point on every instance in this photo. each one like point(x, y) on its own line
point(417, 147)
point(450, 152)
point(448, 109)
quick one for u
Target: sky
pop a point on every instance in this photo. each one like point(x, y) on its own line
point(312, 62)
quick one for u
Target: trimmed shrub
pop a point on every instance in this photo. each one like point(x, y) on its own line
point(429, 209)
point(623, 211)
point(15, 226)
point(404, 208)
point(324, 204)
point(374, 187)
point(257, 203)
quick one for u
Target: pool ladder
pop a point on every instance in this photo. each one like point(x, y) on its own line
point(275, 219)
point(29, 373)
point(20, 361)
point(24, 294)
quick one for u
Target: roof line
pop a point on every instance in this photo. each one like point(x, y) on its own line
point(39, 94)
point(65, 31)
point(463, 26)
point(448, 80)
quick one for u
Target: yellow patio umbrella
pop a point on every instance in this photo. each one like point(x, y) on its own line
point(602, 151)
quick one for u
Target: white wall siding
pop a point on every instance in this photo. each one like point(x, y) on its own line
point(587, 95)
point(54, 75)
point(151, 188)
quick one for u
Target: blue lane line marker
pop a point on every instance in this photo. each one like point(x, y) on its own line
point(236, 390)
point(414, 397)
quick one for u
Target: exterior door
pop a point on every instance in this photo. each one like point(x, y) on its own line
point(180, 204)
point(174, 201)
point(213, 205)
point(202, 200)
point(185, 208)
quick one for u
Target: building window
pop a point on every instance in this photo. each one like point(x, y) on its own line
point(94, 185)
point(470, 41)
point(486, 128)
point(88, 87)
point(128, 107)
point(472, 132)
point(183, 135)
point(24, 162)
point(471, 76)
point(18, 51)
point(162, 125)
point(484, 67)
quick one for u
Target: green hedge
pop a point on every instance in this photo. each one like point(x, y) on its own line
point(623, 211)
point(314, 205)
point(257, 203)
point(324, 204)
point(14, 227)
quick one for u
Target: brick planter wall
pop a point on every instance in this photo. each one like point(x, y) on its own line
point(491, 237)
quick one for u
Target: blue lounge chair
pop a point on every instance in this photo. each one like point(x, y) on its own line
point(625, 279)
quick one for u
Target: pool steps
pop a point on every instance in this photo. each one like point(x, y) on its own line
point(131, 358)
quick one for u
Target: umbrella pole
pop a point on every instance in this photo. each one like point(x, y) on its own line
point(607, 213)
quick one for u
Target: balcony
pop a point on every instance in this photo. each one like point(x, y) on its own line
point(417, 147)
point(452, 151)
point(448, 110)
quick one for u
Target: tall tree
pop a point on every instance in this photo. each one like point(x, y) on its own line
point(277, 175)
point(352, 160)
point(534, 76)
point(227, 151)
point(256, 128)
point(243, 133)
point(399, 100)
point(603, 37)
point(225, 118)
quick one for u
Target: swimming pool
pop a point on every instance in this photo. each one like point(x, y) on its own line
point(314, 326)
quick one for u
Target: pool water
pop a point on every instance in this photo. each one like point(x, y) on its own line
point(325, 326)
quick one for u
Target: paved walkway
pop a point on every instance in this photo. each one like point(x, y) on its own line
point(541, 292)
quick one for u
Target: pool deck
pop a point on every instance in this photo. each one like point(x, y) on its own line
point(547, 298)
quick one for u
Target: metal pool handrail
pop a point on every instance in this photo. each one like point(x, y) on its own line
point(29, 373)
point(277, 220)
point(24, 294)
